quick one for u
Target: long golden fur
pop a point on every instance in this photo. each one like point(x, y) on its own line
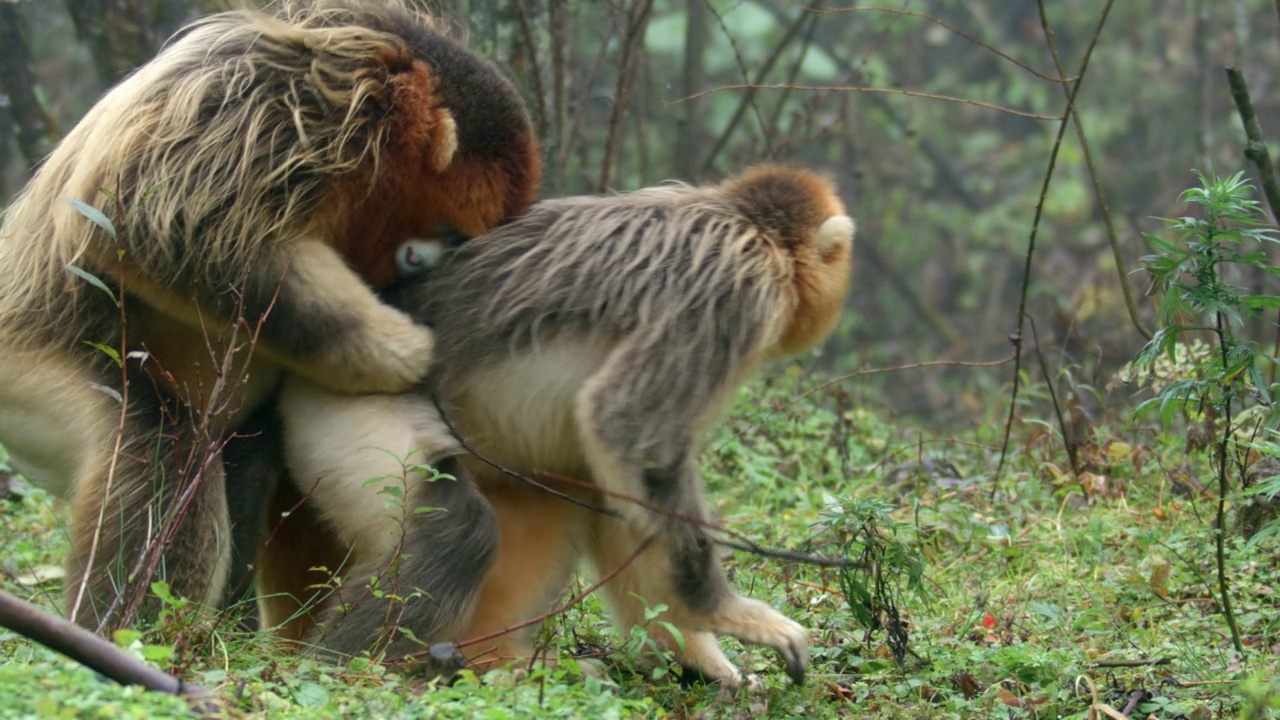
point(258, 173)
point(593, 337)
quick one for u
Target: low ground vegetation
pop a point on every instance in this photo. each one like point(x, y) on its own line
point(1038, 594)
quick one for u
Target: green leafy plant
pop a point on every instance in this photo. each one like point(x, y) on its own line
point(1199, 300)
point(643, 653)
point(867, 533)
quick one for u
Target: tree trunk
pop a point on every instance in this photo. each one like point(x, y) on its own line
point(123, 34)
point(33, 127)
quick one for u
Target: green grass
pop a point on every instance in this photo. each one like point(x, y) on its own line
point(1034, 602)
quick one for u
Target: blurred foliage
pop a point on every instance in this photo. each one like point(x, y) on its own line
point(944, 192)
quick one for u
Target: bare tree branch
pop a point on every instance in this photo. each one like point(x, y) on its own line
point(1103, 208)
point(101, 656)
point(633, 36)
point(1256, 151)
point(748, 97)
point(692, 77)
point(1016, 336)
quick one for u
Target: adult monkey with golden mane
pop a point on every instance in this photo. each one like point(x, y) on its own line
point(258, 174)
point(594, 338)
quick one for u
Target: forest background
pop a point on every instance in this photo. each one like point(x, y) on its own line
point(1000, 239)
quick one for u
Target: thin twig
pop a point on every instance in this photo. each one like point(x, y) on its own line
point(1140, 662)
point(633, 35)
point(551, 613)
point(210, 414)
point(531, 53)
point(791, 555)
point(773, 127)
point(512, 473)
point(1016, 337)
point(897, 368)
point(587, 84)
point(112, 466)
point(986, 46)
point(884, 91)
point(747, 100)
point(741, 541)
point(1224, 488)
point(1107, 222)
point(836, 50)
point(1057, 408)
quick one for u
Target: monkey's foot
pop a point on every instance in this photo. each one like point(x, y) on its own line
point(703, 657)
point(751, 621)
point(750, 684)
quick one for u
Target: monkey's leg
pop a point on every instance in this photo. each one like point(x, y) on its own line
point(420, 543)
point(699, 601)
point(638, 418)
point(423, 590)
point(538, 551)
point(296, 561)
point(253, 463)
point(163, 490)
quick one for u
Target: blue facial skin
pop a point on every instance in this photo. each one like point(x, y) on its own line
point(415, 257)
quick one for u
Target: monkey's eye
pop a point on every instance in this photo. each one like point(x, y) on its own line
point(415, 257)
point(449, 236)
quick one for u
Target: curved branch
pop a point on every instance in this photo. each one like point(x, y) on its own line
point(1016, 337)
point(884, 91)
point(101, 656)
point(1107, 222)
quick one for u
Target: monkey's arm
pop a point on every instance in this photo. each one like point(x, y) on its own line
point(324, 323)
point(317, 318)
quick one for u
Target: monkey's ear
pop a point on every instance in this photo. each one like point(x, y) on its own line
point(427, 126)
point(835, 234)
point(444, 140)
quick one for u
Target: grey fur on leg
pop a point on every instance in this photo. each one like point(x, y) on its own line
point(429, 584)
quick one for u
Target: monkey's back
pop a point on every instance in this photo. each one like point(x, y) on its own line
point(241, 132)
point(678, 265)
point(655, 304)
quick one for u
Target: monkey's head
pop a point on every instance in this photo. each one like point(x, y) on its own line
point(801, 214)
point(480, 156)
point(460, 153)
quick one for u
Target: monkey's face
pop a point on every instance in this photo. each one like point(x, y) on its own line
point(419, 256)
point(415, 257)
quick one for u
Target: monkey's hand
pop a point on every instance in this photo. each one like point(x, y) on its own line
point(392, 356)
point(319, 319)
